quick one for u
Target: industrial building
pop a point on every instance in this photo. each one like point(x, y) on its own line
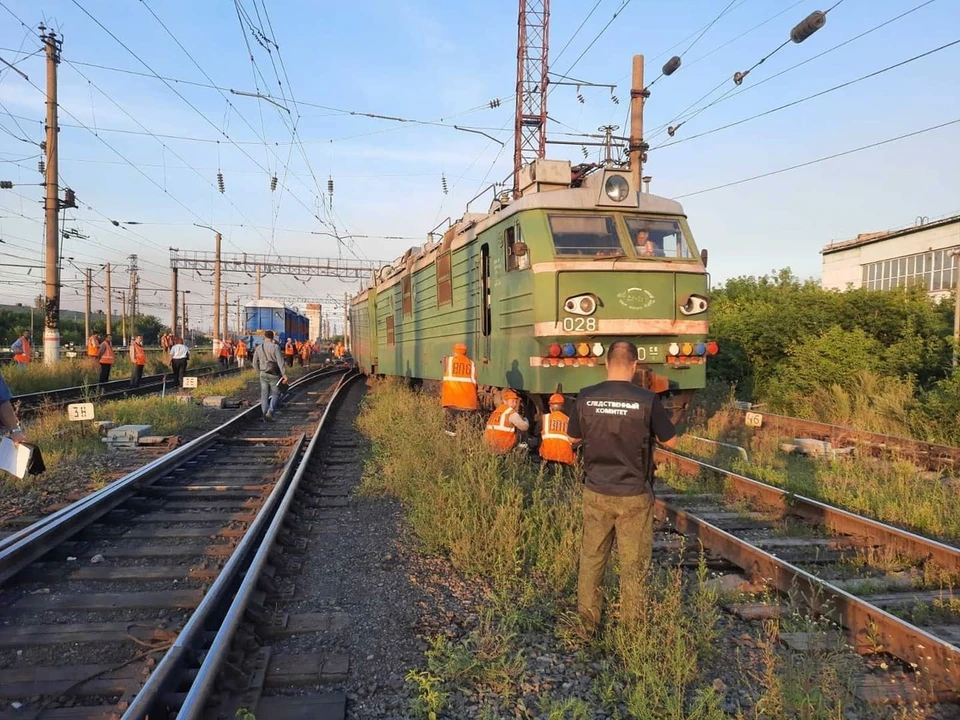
point(916, 255)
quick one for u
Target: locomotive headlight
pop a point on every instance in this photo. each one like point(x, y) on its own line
point(580, 305)
point(694, 305)
point(616, 187)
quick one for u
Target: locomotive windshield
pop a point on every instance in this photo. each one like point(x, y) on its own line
point(657, 238)
point(592, 235)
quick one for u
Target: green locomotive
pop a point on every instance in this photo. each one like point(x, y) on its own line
point(540, 286)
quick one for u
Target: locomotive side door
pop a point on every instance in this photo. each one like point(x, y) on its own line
point(485, 304)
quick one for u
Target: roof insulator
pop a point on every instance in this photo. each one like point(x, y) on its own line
point(808, 26)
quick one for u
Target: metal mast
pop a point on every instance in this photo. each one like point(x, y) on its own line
point(530, 130)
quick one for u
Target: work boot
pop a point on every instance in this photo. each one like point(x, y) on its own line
point(268, 417)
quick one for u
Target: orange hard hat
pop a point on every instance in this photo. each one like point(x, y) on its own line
point(460, 348)
point(510, 395)
point(556, 399)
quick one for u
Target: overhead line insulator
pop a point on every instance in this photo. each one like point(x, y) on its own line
point(671, 65)
point(808, 26)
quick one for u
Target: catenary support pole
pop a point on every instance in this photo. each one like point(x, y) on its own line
point(109, 303)
point(173, 301)
point(637, 97)
point(51, 206)
point(216, 298)
point(87, 303)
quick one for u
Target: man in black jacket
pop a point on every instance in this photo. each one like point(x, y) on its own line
point(618, 422)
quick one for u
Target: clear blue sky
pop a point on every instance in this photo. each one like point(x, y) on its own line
point(427, 60)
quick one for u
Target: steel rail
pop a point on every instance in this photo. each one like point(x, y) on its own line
point(932, 455)
point(870, 628)
point(909, 544)
point(238, 578)
point(32, 542)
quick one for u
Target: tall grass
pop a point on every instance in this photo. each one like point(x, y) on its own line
point(500, 519)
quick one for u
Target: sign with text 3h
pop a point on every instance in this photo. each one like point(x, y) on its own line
point(190, 382)
point(80, 411)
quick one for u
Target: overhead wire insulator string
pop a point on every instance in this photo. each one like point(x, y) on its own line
point(735, 91)
point(809, 97)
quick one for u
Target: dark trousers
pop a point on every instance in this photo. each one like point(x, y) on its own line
point(137, 374)
point(630, 520)
point(451, 416)
point(105, 371)
point(179, 367)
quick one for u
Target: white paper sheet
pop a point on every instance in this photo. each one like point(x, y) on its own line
point(14, 458)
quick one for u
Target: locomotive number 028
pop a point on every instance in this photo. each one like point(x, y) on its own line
point(579, 324)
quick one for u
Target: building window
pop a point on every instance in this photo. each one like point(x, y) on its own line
point(934, 271)
point(391, 335)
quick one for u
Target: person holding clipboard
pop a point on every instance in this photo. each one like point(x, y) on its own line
point(268, 360)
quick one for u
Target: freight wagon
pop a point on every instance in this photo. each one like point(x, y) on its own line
point(286, 322)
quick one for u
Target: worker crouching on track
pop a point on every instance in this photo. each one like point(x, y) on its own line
point(105, 358)
point(21, 350)
point(138, 358)
point(458, 391)
point(556, 447)
point(501, 433)
point(268, 360)
point(618, 422)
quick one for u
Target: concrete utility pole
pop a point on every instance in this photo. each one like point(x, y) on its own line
point(109, 303)
point(51, 206)
point(216, 296)
point(258, 282)
point(183, 314)
point(134, 282)
point(346, 310)
point(173, 302)
point(123, 317)
point(226, 316)
point(239, 324)
point(638, 95)
point(86, 314)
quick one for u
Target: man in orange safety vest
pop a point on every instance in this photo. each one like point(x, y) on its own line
point(138, 358)
point(501, 433)
point(21, 350)
point(93, 345)
point(555, 444)
point(105, 357)
point(458, 391)
point(241, 353)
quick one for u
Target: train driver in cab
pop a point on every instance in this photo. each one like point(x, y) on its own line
point(645, 245)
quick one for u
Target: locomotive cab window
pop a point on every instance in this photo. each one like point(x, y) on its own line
point(589, 235)
point(658, 238)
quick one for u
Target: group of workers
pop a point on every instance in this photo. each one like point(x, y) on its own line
point(615, 423)
point(506, 426)
point(297, 351)
point(233, 349)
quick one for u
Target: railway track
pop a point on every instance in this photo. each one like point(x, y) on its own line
point(122, 603)
point(931, 456)
point(838, 563)
point(30, 403)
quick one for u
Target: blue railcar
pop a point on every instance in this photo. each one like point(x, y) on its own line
point(262, 315)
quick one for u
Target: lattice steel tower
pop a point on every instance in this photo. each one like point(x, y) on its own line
point(530, 131)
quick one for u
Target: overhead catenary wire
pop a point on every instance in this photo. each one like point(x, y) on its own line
point(809, 97)
point(825, 158)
